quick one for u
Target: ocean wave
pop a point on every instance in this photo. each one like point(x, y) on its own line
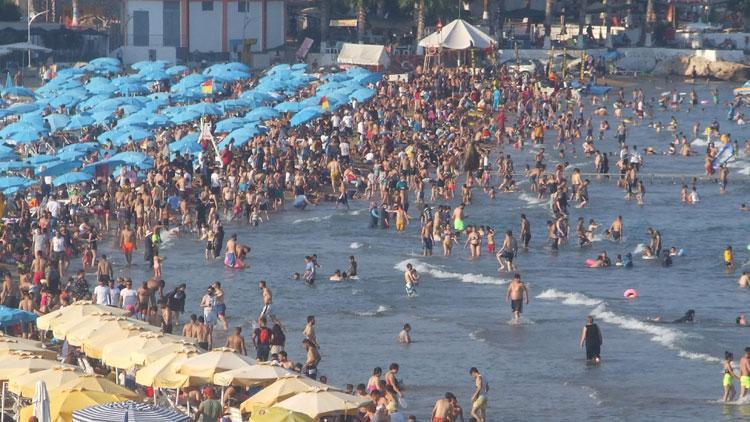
point(667, 337)
point(379, 311)
point(355, 245)
point(312, 219)
point(357, 212)
point(476, 336)
point(438, 272)
point(571, 298)
point(699, 142)
point(532, 199)
point(639, 248)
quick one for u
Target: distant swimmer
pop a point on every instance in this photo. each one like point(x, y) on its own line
point(744, 280)
point(729, 376)
point(517, 295)
point(688, 317)
point(591, 337)
point(616, 229)
point(411, 280)
point(404, 337)
point(728, 259)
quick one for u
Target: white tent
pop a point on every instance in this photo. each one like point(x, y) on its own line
point(458, 35)
point(24, 46)
point(363, 55)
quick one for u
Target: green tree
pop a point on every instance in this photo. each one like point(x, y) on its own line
point(9, 12)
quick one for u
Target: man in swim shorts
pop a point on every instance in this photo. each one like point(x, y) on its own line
point(479, 399)
point(127, 243)
point(745, 373)
point(517, 292)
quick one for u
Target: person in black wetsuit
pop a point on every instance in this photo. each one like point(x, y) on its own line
point(591, 337)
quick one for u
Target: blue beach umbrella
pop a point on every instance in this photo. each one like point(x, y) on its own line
point(363, 94)
point(105, 61)
point(10, 181)
point(185, 117)
point(14, 165)
point(13, 316)
point(262, 113)
point(132, 89)
point(147, 64)
point(133, 158)
point(241, 136)
point(135, 134)
point(155, 75)
point(176, 70)
point(110, 135)
point(80, 121)
point(58, 168)
point(289, 107)
point(21, 108)
point(72, 178)
point(18, 91)
point(57, 121)
point(230, 124)
point(24, 136)
point(205, 109)
point(128, 411)
point(186, 144)
point(102, 117)
point(305, 115)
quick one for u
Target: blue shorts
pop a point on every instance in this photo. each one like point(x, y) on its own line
point(221, 308)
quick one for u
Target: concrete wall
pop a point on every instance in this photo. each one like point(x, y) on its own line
point(155, 21)
point(130, 54)
point(244, 25)
point(276, 27)
point(205, 26)
point(696, 40)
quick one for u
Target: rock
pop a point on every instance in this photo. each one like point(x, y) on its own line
point(683, 66)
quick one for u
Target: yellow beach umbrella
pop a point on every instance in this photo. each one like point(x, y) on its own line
point(13, 365)
point(151, 354)
point(277, 414)
point(163, 372)
point(94, 345)
point(324, 403)
point(14, 344)
point(118, 354)
point(252, 375)
point(108, 325)
point(280, 390)
point(76, 311)
point(68, 322)
point(92, 382)
point(62, 403)
point(54, 377)
point(208, 364)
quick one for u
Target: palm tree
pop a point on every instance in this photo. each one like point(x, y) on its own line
point(650, 18)
point(548, 4)
point(325, 6)
point(419, 7)
point(361, 20)
point(582, 5)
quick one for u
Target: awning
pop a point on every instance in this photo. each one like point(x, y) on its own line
point(363, 55)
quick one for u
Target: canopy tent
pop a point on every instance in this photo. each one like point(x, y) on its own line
point(458, 35)
point(364, 55)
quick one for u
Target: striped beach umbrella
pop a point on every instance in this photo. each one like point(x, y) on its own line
point(128, 411)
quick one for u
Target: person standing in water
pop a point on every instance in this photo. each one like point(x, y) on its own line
point(591, 337)
point(479, 399)
point(517, 294)
point(267, 300)
point(411, 280)
point(729, 375)
point(525, 231)
point(745, 373)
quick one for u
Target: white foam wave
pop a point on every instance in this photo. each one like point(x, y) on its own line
point(699, 142)
point(379, 311)
point(312, 219)
point(597, 237)
point(667, 337)
point(438, 272)
point(566, 298)
point(474, 335)
point(639, 248)
point(355, 245)
point(357, 212)
point(532, 199)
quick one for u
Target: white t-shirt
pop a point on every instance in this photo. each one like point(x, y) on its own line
point(114, 295)
point(129, 297)
point(101, 293)
point(54, 208)
point(215, 180)
point(344, 149)
point(58, 244)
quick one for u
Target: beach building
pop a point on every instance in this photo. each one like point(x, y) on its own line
point(203, 29)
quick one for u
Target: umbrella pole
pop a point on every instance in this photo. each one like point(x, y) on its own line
point(2, 406)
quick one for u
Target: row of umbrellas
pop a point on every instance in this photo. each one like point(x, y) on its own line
point(173, 362)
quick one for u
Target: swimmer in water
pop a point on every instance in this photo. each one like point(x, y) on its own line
point(616, 229)
point(741, 320)
point(403, 336)
point(729, 376)
point(728, 259)
point(744, 280)
point(688, 317)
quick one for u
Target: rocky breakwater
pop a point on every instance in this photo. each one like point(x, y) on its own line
point(715, 69)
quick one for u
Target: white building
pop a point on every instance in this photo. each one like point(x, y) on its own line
point(155, 29)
